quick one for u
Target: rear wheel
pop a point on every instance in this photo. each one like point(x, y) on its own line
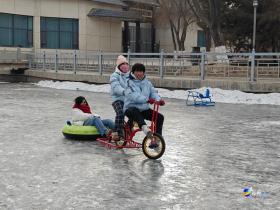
point(153, 147)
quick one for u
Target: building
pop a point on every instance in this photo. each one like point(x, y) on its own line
point(85, 25)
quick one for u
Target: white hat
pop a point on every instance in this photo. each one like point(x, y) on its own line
point(121, 59)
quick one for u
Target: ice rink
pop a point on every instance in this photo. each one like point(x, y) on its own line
point(212, 154)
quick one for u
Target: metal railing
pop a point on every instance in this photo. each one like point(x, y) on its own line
point(247, 66)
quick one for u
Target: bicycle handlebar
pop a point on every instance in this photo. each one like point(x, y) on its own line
point(157, 103)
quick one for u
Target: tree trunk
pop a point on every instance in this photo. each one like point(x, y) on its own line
point(173, 35)
point(183, 38)
point(182, 45)
point(216, 36)
point(208, 39)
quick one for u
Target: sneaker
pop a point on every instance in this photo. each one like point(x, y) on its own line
point(146, 130)
point(121, 138)
point(115, 136)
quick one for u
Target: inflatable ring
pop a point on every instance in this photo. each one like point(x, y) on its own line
point(80, 132)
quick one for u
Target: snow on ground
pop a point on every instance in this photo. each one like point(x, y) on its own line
point(218, 95)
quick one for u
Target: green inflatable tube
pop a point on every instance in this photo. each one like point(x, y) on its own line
point(80, 132)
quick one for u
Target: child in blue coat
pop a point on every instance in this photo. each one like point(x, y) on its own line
point(139, 93)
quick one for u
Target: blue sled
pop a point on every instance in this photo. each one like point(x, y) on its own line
point(199, 99)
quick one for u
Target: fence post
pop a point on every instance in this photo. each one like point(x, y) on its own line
point(128, 55)
point(278, 66)
point(252, 76)
point(29, 60)
point(75, 61)
point(87, 61)
point(100, 61)
point(202, 66)
point(56, 61)
point(18, 54)
point(161, 69)
point(44, 60)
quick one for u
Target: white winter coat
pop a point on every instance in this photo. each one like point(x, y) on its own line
point(79, 117)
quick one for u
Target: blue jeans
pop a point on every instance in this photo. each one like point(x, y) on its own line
point(101, 125)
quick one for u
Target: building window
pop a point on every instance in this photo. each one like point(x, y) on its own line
point(59, 33)
point(201, 39)
point(16, 30)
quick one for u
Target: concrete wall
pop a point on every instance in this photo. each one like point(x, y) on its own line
point(173, 83)
point(94, 33)
point(262, 86)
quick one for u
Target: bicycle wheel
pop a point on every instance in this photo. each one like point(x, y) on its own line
point(153, 147)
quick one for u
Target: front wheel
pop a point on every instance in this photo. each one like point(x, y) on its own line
point(153, 147)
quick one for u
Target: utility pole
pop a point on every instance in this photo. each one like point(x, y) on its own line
point(253, 73)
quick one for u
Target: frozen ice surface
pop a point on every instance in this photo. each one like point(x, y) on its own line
point(212, 153)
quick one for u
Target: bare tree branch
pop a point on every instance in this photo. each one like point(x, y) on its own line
point(180, 17)
point(209, 12)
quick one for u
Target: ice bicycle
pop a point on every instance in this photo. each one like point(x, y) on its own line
point(152, 147)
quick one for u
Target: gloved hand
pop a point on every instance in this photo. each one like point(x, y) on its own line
point(161, 102)
point(151, 101)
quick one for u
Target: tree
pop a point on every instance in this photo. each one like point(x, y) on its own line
point(179, 16)
point(229, 22)
point(208, 13)
point(268, 31)
point(237, 25)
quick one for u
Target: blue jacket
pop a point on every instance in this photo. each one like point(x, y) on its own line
point(138, 93)
point(118, 85)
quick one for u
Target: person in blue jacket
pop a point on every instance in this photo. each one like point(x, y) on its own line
point(118, 85)
point(139, 93)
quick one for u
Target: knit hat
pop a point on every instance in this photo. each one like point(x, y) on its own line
point(120, 60)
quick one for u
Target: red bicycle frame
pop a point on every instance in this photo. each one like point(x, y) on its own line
point(129, 133)
point(155, 117)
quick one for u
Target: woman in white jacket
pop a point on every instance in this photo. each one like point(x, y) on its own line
point(82, 115)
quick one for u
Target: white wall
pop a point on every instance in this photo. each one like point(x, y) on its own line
point(94, 33)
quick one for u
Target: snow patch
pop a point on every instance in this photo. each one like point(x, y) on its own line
point(218, 95)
